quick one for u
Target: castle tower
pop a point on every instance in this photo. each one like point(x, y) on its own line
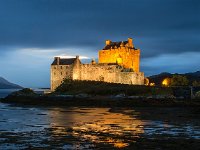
point(108, 42)
point(76, 69)
point(63, 68)
point(123, 53)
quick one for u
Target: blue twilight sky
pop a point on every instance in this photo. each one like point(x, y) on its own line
point(32, 32)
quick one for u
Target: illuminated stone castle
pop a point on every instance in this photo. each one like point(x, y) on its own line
point(118, 63)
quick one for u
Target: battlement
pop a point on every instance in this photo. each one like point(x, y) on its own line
point(115, 45)
point(123, 53)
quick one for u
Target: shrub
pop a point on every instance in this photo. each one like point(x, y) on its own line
point(25, 91)
point(196, 83)
point(197, 95)
point(178, 80)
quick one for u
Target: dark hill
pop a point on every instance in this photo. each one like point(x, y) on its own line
point(4, 84)
point(157, 79)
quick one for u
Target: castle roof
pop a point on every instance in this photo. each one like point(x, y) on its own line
point(64, 61)
point(115, 45)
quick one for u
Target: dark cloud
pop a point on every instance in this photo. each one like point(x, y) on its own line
point(157, 27)
point(61, 23)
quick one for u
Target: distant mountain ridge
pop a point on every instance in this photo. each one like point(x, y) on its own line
point(191, 76)
point(195, 74)
point(4, 84)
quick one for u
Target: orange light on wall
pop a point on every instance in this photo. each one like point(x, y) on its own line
point(119, 60)
point(152, 84)
point(146, 81)
point(166, 82)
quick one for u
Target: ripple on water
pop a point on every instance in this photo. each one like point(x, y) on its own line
point(85, 128)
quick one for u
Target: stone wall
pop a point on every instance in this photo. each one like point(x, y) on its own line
point(110, 73)
point(60, 72)
point(94, 72)
point(98, 72)
point(125, 56)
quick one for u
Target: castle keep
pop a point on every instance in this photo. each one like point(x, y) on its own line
point(118, 63)
point(122, 53)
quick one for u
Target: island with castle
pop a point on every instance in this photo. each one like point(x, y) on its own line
point(115, 81)
point(118, 62)
point(116, 76)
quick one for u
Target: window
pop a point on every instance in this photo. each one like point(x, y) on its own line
point(61, 73)
point(54, 73)
point(60, 67)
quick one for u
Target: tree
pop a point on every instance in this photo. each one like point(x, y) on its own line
point(196, 83)
point(178, 80)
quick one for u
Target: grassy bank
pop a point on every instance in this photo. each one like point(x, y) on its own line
point(101, 94)
point(103, 88)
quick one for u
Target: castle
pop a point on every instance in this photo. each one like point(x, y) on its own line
point(119, 62)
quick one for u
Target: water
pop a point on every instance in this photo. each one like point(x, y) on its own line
point(6, 92)
point(91, 128)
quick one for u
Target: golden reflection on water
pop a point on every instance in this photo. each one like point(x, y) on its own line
point(97, 125)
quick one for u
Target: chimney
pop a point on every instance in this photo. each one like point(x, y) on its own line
point(77, 60)
point(130, 42)
point(122, 44)
point(93, 62)
point(108, 42)
point(57, 60)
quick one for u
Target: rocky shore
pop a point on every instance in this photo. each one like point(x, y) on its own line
point(97, 101)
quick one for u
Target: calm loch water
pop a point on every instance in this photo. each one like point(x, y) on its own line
point(92, 128)
point(5, 92)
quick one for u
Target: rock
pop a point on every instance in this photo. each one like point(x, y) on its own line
point(197, 95)
point(122, 95)
point(23, 92)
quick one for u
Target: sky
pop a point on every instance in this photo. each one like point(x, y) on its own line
point(32, 32)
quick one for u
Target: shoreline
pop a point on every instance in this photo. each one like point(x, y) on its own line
point(96, 101)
